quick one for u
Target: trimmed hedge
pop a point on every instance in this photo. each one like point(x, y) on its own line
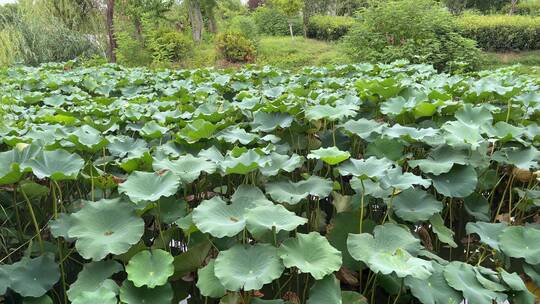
point(502, 32)
point(329, 27)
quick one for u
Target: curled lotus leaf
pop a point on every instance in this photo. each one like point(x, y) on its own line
point(435, 289)
point(440, 160)
point(267, 122)
point(521, 242)
point(488, 232)
point(391, 248)
point(462, 277)
point(236, 134)
point(56, 165)
point(248, 267)
point(272, 217)
point(197, 130)
point(310, 253)
point(329, 112)
point(325, 290)
point(292, 193)
point(364, 128)
point(371, 167)
point(104, 227)
point(93, 276)
point(245, 163)
point(331, 156)
point(415, 205)
point(10, 171)
point(187, 167)
point(105, 294)
point(149, 186)
point(208, 283)
point(279, 162)
point(131, 294)
point(396, 179)
point(459, 182)
point(150, 268)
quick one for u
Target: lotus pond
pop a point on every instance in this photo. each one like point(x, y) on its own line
point(353, 184)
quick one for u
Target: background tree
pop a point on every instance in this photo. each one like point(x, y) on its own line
point(253, 4)
point(110, 31)
point(195, 19)
point(291, 8)
point(135, 10)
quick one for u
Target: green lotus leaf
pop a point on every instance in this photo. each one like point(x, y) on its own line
point(489, 232)
point(353, 297)
point(369, 187)
point(389, 249)
point(33, 277)
point(410, 133)
point(533, 271)
point(282, 162)
point(207, 282)
point(474, 116)
point(364, 128)
point(87, 138)
point(394, 178)
point(149, 186)
point(459, 182)
point(521, 242)
point(310, 253)
point(218, 218)
point(329, 112)
point(153, 130)
point(445, 234)
point(250, 197)
point(4, 279)
point(236, 134)
point(150, 268)
point(57, 165)
point(248, 267)
point(513, 280)
point(245, 163)
point(44, 299)
point(489, 279)
point(440, 160)
point(267, 122)
point(292, 193)
point(103, 295)
point(93, 276)
point(459, 134)
point(478, 206)
point(331, 156)
point(104, 227)
point(60, 226)
point(371, 167)
point(261, 301)
point(462, 277)
point(197, 130)
point(130, 294)
point(435, 289)
point(170, 210)
point(272, 217)
point(522, 158)
point(124, 146)
point(385, 148)
point(523, 297)
point(10, 171)
point(326, 290)
point(187, 167)
point(415, 205)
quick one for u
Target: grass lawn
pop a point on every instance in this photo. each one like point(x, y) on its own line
point(529, 61)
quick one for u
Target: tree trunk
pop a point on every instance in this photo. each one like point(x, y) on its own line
point(212, 24)
point(138, 29)
point(513, 7)
point(111, 51)
point(196, 20)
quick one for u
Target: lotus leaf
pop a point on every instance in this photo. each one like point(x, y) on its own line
point(459, 182)
point(56, 165)
point(292, 193)
point(435, 289)
point(310, 253)
point(130, 294)
point(489, 232)
point(248, 267)
point(150, 268)
point(208, 283)
point(149, 186)
point(415, 205)
point(104, 227)
point(94, 276)
point(32, 277)
point(187, 167)
point(371, 167)
point(521, 242)
point(331, 156)
point(325, 290)
point(272, 217)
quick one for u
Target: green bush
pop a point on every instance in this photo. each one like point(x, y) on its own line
point(526, 8)
point(502, 32)
point(245, 25)
point(329, 27)
point(272, 22)
point(235, 47)
point(169, 45)
point(420, 31)
point(130, 51)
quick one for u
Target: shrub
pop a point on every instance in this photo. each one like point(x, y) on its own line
point(502, 32)
point(329, 27)
point(420, 31)
point(271, 21)
point(169, 45)
point(130, 51)
point(245, 25)
point(525, 8)
point(235, 47)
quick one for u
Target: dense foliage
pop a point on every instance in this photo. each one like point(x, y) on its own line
point(421, 31)
point(384, 182)
point(502, 32)
point(329, 27)
point(271, 21)
point(235, 47)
